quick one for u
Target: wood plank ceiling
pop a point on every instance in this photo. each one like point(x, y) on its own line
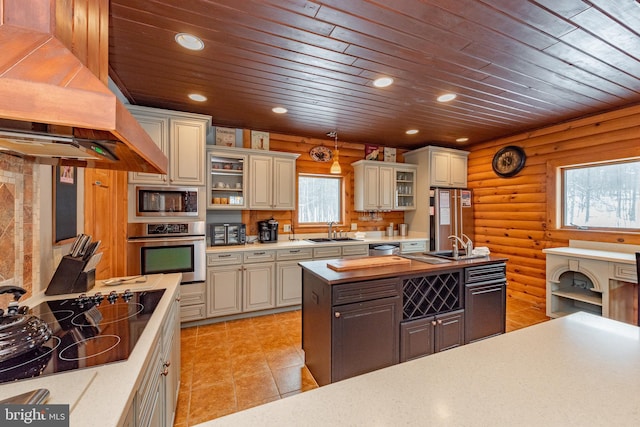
point(515, 65)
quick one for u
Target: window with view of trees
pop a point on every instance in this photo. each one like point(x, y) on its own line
point(601, 196)
point(319, 199)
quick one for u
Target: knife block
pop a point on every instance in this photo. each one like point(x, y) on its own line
point(70, 278)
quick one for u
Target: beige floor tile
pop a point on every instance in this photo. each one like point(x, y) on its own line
point(255, 388)
point(212, 402)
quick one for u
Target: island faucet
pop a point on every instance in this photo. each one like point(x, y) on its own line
point(468, 245)
point(330, 229)
point(454, 241)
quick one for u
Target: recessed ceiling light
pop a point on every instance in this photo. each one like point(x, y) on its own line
point(279, 110)
point(383, 82)
point(411, 131)
point(189, 41)
point(447, 97)
point(197, 97)
point(462, 139)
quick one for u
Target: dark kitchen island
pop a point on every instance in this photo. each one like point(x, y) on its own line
point(360, 320)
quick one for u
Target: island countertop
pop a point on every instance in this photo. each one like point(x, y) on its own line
point(579, 370)
point(319, 268)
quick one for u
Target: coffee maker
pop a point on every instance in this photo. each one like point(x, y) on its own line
point(268, 231)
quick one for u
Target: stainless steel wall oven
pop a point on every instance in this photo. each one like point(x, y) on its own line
point(167, 248)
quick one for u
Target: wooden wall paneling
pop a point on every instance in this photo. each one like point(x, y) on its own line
point(514, 217)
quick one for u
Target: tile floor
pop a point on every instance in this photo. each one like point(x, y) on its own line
point(231, 366)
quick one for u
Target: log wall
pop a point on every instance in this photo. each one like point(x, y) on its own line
point(515, 217)
point(349, 152)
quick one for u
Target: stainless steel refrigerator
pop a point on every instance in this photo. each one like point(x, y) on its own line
point(450, 213)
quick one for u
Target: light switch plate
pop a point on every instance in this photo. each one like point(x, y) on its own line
point(287, 227)
point(354, 226)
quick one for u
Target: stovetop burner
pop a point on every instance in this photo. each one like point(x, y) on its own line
point(87, 331)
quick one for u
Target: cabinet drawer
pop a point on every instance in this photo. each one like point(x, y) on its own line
point(485, 273)
point(351, 250)
point(191, 294)
point(193, 312)
point(626, 272)
point(327, 252)
point(408, 247)
point(291, 254)
point(364, 291)
point(224, 258)
point(259, 256)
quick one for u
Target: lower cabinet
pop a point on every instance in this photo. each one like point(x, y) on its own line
point(485, 301)
point(258, 286)
point(365, 337)
point(156, 399)
point(193, 302)
point(224, 290)
point(428, 335)
point(288, 283)
point(486, 309)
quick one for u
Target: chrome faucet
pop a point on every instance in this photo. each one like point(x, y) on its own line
point(454, 241)
point(468, 245)
point(330, 229)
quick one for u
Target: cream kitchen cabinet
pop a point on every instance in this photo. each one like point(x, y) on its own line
point(227, 178)
point(224, 284)
point(272, 181)
point(381, 186)
point(289, 275)
point(448, 168)
point(259, 280)
point(182, 138)
point(374, 186)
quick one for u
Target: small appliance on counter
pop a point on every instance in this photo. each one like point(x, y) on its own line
point(227, 234)
point(268, 231)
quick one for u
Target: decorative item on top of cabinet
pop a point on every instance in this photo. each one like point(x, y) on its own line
point(181, 137)
point(226, 181)
point(320, 153)
point(272, 181)
point(259, 140)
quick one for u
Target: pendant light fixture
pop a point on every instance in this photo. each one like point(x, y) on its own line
point(335, 166)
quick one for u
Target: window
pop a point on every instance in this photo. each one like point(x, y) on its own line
point(601, 196)
point(319, 199)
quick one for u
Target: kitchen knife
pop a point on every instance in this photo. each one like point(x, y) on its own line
point(93, 262)
point(75, 244)
point(91, 249)
point(81, 241)
point(85, 245)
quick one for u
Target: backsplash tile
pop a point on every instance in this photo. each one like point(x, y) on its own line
point(19, 221)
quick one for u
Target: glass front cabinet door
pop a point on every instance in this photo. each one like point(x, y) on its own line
point(405, 188)
point(226, 183)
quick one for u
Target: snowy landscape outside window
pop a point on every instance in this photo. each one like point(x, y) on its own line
point(602, 196)
point(319, 199)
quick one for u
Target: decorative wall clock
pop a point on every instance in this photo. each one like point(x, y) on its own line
point(508, 161)
point(321, 153)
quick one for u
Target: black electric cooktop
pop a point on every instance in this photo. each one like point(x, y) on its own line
point(88, 331)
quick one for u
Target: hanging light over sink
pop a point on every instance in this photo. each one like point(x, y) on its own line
point(335, 166)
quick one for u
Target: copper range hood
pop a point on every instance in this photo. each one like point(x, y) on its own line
point(54, 110)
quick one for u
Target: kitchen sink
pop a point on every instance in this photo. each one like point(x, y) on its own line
point(337, 239)
point(449, 255)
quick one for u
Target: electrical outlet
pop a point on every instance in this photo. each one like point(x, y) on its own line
point(354, 226)
point(287, 228)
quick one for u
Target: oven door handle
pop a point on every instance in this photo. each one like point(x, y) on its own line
point(167, 239)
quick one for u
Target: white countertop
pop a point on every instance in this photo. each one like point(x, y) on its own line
point(99, 396)
point(596, 254)
point(579, 370)
point(301, 242)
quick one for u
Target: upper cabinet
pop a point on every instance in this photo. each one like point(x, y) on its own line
point(381, 186)
point(182, 138)
point(272, 181)
point(227, 178)
point(447, 167)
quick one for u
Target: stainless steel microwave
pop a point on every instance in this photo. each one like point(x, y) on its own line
point(166, 201)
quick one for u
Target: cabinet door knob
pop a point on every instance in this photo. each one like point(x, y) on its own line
point(178, 299)
point(337, 314)
point(165, 372)
point(439, 322)
point(433, 322)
